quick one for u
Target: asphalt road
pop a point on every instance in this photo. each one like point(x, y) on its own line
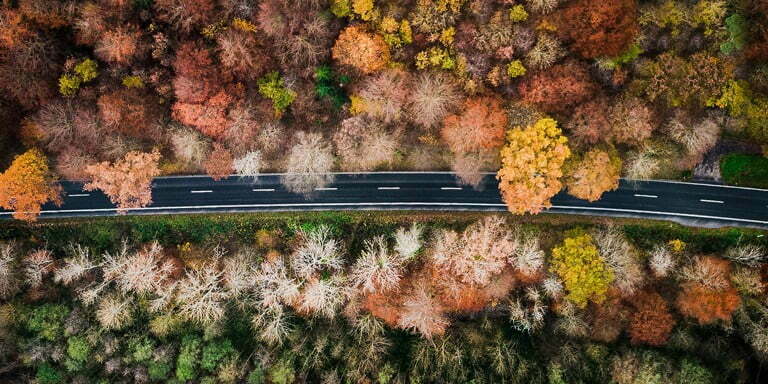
point(688, 203)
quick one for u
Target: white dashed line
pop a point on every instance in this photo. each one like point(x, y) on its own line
point(451, 188)
point(264, 190)
point(648, 196)
point(712, 201)
point(388, 188)
point(326, 189)
point(79, 195)
point(202, 191)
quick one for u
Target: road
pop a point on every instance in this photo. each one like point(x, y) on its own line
point(696, 204)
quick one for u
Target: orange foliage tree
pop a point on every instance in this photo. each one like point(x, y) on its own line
point(118, 46)
point(531, 166)
point(558, 88)
point(707, 305)
point(130, 111)
point(364, 51)
point(598, 28)
point(28, 184)
point(651, 323)
point(594, 173)
point(218, 165)
point(479, 126)
point(127, 181)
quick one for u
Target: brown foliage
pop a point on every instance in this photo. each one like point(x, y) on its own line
point(218, 165)
point(49, 13)
point(652, 322)
point(480, 125)
point(185, 15)
point(386, 94)
point(90, 24)
point(209, 117)
point(28, 73)
point(127, 182)
point(64, 123)
point(366, 52)
point(12, 28)
point(242, 54)
point(558, 88)
point(598, 28)
point(118, 46)
point(608, 318)
point(131, 112)
point(632, 121)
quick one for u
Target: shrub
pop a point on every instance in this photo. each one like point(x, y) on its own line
point(515, 69)
point(69, 84)
point(78, 349)
point(584, 272)
point(189, 358)
point(87, 70)
point(215, 353)
point(518, 14)
point(47, 374)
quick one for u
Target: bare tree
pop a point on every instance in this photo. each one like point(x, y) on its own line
point(8, 281)
point(249, 166)
point(527, 312)
point(378, 269)
point(309, 164)
point(239, 276)
point(708, 271)
point(142, 272)
point(408, 241)
point(274, 285)
point(318, 251)
point(435, 94)
point(661, 261)
point(622, 258)
point(529, 257)
point(114, 312)
point(751, 255)
point(423, 313)
point(75, 266)
point(36, 266)
point(323, 296)
point(189, 147)
point(272, 324)
point(553, 287)
point(201, 297)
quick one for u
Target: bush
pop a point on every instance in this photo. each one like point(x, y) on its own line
point(46, 374)
point(745, 170)
point(47, 321)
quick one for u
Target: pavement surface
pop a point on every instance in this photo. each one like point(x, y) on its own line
point(694, 204)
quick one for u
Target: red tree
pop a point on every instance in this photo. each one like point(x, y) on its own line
point(651, 323)
point(218, 165)
point(119, 45)
point(598, 28)
point(558, 88)
point(481, 125)
point(131, 112)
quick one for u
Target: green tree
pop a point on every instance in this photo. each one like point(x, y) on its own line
point(215, 353)
point(188, 361)
point(47, 321)
point(273, 87)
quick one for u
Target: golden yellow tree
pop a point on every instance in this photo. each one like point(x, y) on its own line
point(128, 181)
point(362, 50)
point(593, 173)
point(531, 167)
point(584, 273)
point(28, 184)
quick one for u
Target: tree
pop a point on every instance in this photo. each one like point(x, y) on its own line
point(386, 94)
point(584, 272)
point(651, 323)
point(242, 53)
point(593, 173)
point(127, 182)
point(8, 279)
point(631, 121)
point(680, 82)
point(589, 122)
point(598, 29)
point(185, 15)
point(28, 184)
point(366, 52)
point(480, 126)
point(218, 165)
point(249, 165)
point(423, 313)
point(118, 46)
point(363, 144)
point(558, 88)
point(707, 305)
point(434, 95)
point(132, 112)
point(531, 166)
point(309, 164)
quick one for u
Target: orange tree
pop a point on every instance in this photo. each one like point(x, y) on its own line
point(128, 181)
point(593, 173)
point(28, 184)
point(366, 52)
point(651, 323)
point(531, 167)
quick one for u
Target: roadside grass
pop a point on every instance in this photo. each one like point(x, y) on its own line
point(745, 170)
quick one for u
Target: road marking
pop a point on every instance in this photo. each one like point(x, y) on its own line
point(499, 207)
point(649, 196)
point(201, 191)
point(451, 188)
point(712, 201)
point(388, 188)
point(692, 183)
point(79, 195)
point(264, 190)
point(326, 189)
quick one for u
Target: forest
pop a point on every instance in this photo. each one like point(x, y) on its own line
point(372, 298)
point(552, 94)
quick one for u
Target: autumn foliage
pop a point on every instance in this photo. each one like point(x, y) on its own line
point(708, 305)
point(652, 322)
point(594, 173)
point(480, 125)
point(364, 51)
point(28, 184)
point(127, 182)
point(558, 88)
point(598, 28)
point(218, 165)
point(531, 166)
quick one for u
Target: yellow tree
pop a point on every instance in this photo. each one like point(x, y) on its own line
point(28, 184)
point(584, 273)
point(592, 174)
point(127, 182)
point(531, 166)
